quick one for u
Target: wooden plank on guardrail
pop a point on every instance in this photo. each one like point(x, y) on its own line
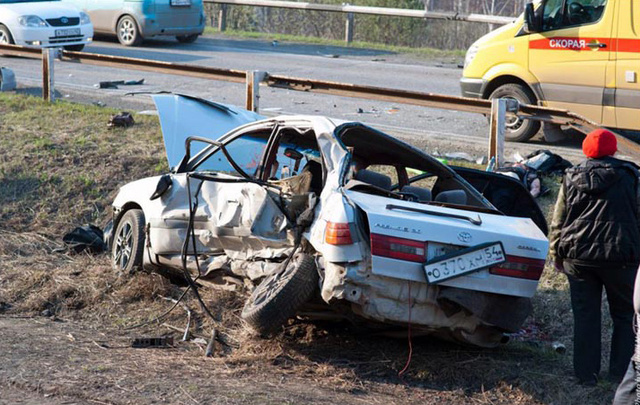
point(183, 69)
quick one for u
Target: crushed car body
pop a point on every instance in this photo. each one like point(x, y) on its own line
point(312, 209)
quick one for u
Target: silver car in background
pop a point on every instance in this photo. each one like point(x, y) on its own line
point(132, 21)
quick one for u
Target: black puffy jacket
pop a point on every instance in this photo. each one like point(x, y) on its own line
point(601, 219)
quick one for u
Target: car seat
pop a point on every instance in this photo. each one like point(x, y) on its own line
point(423, 194)
point(375, 179)
point(458, 197)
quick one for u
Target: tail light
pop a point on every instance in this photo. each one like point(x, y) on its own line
point(398, 248)
point(521, 267)
point(337, 234)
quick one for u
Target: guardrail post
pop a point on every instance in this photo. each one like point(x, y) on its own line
point(48, 91)
point(222, 18)
point(254, 77)
point(498, 126)
point(348, 34)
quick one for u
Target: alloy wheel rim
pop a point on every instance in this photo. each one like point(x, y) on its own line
point(123, 246)
point(4, 39)
point(127, 31)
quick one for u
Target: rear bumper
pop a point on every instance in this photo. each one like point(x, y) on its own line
point(396, 301)
point(52, 36)
point(156, 25)
point(473, 88)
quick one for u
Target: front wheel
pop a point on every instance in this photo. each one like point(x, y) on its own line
point(187, 39)
point(128, 244)
point(5, 35)
point(518, 130)
point(128, 32)
point(279, 296)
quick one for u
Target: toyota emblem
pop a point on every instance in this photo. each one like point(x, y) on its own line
point(464, 237)
point(64, 20)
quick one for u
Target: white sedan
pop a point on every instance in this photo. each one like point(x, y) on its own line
point(39, 23)
point(308, 208)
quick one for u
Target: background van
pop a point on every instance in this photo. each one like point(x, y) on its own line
point(134, 20)
point(580, 55)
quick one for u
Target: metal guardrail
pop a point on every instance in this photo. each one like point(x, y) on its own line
point(254, 78)
point(352, 10)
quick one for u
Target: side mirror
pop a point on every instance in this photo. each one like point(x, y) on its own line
point(531, 22)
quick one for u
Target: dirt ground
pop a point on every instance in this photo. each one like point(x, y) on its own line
point(67, 321)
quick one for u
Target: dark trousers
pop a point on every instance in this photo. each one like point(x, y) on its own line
point(586, 284)
point(627, 392)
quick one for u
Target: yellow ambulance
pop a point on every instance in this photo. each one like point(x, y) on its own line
point(579, 55)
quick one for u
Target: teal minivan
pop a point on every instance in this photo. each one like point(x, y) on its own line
point(135, 20)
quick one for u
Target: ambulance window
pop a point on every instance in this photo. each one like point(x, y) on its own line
point(562, 13)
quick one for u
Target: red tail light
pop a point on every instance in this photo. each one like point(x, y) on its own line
point(521, 267)
point(337, 234)
point(398, 248)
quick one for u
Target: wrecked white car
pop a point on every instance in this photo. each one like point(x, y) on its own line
point(310, 209)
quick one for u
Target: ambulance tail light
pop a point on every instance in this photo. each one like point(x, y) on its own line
point(520, 267)
point(398, 248)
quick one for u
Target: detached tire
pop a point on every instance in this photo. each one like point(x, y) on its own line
point(518, 130)
point(128, 242)
point(279, 296)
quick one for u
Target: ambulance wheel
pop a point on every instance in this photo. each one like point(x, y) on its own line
point(518, 130)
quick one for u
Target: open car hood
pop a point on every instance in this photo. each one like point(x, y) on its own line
point(182, 116)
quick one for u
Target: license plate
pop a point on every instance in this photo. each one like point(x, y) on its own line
point(180, 3)
point(67, 32)
point(464, 261)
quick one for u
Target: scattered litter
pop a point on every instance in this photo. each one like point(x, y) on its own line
point(460, 156)
point(70, 75)
point(272, 109)
point(145, 342)
point(371, 111)
point(88, 237)
point(359, 110)
point(113, 84)
point(199, 341)
point(98, 103)
point(4, 306)
point(47, 313)
point(274, 43)
point(7, 79)
point(378, 60)
point(122, 120)
point(392, 110)
point(148, 112)
point(331, 55)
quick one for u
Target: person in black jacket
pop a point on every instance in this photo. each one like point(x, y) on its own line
point(627, 392)
point(595, 241)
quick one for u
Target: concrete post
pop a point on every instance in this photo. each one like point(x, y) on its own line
point(498, 126)
point(254, 77)
point(348, 34)
point(222, 18)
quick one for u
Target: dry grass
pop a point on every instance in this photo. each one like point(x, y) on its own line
point(60, 167)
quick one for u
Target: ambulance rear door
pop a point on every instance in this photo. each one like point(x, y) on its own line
point(627, 46)
point(570, 54)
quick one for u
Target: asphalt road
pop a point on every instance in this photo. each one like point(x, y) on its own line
point(76, 82)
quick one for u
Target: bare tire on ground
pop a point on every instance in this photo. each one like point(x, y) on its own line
point(187, 39)
point(5, 35)
point(279, 296)
point(74, 48)
point(128, 31)
point(518, 130)
point(128, 243)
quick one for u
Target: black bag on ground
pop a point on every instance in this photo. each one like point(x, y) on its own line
point(88, 237)
point(546, 162)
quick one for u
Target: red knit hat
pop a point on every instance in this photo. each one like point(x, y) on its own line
point(599, 143)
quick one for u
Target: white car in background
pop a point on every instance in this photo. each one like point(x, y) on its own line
point(39, 23)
